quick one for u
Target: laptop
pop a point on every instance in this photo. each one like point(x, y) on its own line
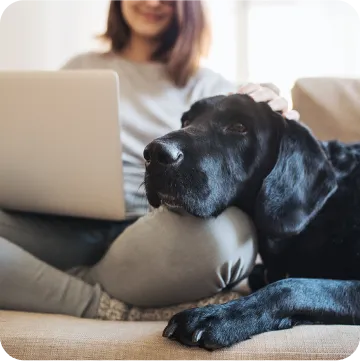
point(60, 149)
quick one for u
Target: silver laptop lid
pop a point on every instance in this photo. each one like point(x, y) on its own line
point(60, 149)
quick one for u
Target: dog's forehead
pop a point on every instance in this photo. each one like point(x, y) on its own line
point(238, 102)
point(237, 106)
point(229, 101)
point(223, 109)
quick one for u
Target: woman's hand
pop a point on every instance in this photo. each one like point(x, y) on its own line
point(262, 93)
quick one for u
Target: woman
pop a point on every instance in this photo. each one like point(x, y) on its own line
point(156, 47)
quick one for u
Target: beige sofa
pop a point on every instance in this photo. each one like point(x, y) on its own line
point(332, 108)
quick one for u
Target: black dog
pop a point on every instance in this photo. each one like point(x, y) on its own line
point(303, 196)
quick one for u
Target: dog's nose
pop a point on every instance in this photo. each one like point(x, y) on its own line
point(163, 152)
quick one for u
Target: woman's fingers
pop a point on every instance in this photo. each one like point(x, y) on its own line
point(249, 88)
point(263, 94)
point(279, 104)
point(292, 114)
point(260, 93)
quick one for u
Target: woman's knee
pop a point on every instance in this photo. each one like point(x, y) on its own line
point(232, 242)
point(9, 255)
point(12, 265)
point(166, 258)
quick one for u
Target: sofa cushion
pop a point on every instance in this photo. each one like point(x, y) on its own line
point(29, 336)
point(329, 106)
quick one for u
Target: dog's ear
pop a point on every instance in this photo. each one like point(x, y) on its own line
point(297, 187)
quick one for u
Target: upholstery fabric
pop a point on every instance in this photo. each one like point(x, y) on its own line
point(329, 106)
point(28, 336)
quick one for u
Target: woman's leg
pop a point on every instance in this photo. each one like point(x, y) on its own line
point(29, 284)
point(62, 242)
point(166, 258)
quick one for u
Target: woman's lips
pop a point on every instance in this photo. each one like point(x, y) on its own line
point(153, 18)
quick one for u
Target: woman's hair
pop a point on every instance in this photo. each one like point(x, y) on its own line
point(182, 45)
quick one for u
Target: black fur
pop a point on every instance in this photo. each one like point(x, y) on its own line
point(303, 196)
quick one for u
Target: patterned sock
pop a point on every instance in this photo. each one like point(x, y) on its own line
point(114, 310)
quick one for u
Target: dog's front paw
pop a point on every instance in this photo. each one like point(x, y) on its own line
point(211, 327)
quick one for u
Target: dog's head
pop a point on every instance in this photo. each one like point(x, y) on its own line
point(232, 151)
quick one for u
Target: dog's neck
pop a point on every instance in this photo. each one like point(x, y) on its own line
point(343, 157)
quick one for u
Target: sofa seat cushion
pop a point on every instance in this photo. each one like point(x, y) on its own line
point(28, 336)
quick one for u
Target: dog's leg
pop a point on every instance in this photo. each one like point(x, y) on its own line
point(278, 306)
point(257, 278)
point(261, 276)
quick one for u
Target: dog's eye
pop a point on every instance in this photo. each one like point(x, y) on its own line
point(236, 128)
point(186, 123)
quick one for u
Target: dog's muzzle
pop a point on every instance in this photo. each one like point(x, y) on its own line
point(161, 153)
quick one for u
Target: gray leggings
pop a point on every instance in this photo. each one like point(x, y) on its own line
point(162, 259)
